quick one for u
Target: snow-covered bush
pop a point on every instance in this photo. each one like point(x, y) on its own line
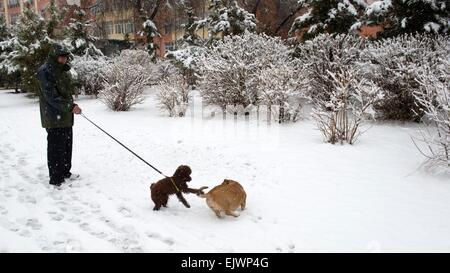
point(279, 91)
point(230, 69)
point(163, 70)
point(173, 94)
point(339, 115)
point(324, 54)
point(186, 59)
point(125, 79)
point(393, 64)
point(433, 99)
point(90, 73)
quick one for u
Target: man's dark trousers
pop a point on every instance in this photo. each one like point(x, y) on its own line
point(59, 153)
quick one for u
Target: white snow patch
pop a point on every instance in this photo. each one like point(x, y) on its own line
point(303, 195)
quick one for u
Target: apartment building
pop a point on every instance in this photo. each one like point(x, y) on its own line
point(11, 9)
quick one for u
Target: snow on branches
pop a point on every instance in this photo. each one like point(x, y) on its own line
point(231, 71)
point(90, 73)
point(125, 80)
point(173, 95)
point(337, 16)
point(433, 99)
point(408, 16)
point(345, 107)
point(79, 38)
point(227, 18)
point(393, 64)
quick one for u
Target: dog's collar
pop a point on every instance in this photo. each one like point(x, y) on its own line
point(174, 184)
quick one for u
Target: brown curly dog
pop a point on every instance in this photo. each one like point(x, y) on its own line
point(177, 184)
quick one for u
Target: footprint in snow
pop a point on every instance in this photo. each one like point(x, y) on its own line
point(156, 236)
point(3, 211)
point(74, 220)
point(55, 216)
point(33, 223)
point(291, 247)
point(85, 226)
point(11, 226)
point(27, 199)
point(25, 233)
point(125, 212)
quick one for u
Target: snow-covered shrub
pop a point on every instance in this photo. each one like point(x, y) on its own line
point(339, 115)
point(173, 94)
point(433, 99)
point(163, 70)
point(125, 79)
point(229, 70)
point(90, 73)
point(393, 64)
point(186, 59)
point(279, 91)
point(324, 54)
point(134, 57)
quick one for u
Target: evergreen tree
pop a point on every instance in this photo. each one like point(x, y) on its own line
point(54, 18)
point(4, 30)
point(327, 16)
point(6, 78)
point(79, 37)
point(190, 36)
point(150, 31)
point(227, 18)
point(28, 49)
point(409, 16)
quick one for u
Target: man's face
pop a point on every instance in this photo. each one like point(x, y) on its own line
point(62, 59)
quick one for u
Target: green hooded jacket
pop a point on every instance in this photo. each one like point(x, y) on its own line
point(56, 89)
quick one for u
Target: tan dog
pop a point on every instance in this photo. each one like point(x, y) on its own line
point(226, 197)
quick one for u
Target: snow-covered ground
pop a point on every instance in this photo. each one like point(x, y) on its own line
point(303, 194)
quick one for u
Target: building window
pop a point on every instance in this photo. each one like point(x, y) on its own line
point(109, 29)
point(118, 27)
point(169, 46)
point(168, 28)
point(13, 18)
point(94, 10)
point(13, 3)
point(129, 27)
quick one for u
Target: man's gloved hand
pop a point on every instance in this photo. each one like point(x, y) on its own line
point(76, 110)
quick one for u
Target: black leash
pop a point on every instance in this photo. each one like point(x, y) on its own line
point(136, 155)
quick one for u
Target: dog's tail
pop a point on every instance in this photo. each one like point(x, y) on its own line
point(201, 194)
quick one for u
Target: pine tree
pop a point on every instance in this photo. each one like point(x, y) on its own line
point(327, 16)
point(54, 18)
point(28, 49)
point(8, 78)
point(4, 30)
point(79, 37)
point(227, 18)
point(190, 36)
point(150, 31)
point(409, 16)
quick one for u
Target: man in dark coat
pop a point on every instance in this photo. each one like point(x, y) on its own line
point(57, 109)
